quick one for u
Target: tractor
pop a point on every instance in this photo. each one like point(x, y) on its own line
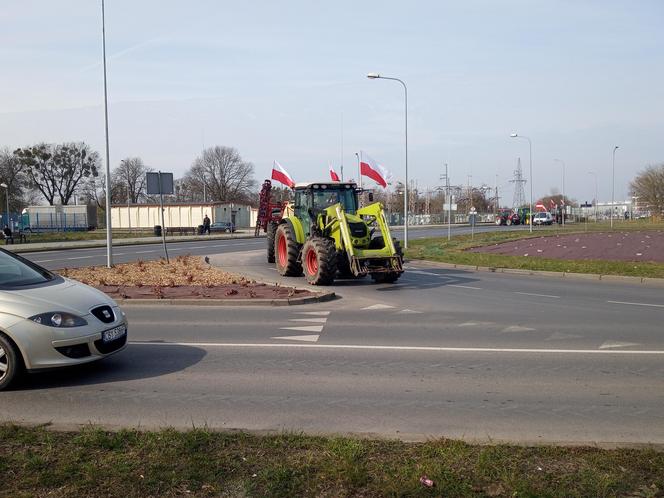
point(324, 235)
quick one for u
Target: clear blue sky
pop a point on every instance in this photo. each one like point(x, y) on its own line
point(276, 80)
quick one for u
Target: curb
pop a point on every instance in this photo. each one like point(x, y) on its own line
point(658, 282)
point(320, 298)
point(59, 246)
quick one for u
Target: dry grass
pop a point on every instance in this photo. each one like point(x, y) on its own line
point(183, 270)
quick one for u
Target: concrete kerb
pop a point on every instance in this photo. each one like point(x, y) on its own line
point(290, 301)
point(543, 273)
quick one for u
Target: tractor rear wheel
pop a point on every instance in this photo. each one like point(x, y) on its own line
point(287, 252)
point(388, 277)
point(271, 232)
point(319, 259)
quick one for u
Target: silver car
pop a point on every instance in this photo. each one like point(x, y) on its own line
point(47, 321)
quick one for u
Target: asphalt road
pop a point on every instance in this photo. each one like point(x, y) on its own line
point(74, 258)
point(478, 356)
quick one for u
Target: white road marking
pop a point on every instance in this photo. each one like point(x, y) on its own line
point(305, 338)
point(433, 349)
point(464, 286)
point(80, 257)
point(637, 304)
point(407, 312)
point(616, 344)
point(143, 252)
point(422, 272)
point(537, 295)
point(315, 313)
point(197, 247)
point(378, 307)
point(219, 245)
point(475, 324)
point(308, 328)
point(310, 320)
point(559, 336)
point(44, 260)
point(517, 328)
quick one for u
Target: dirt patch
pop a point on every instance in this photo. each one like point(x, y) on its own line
point(185, 277)
point(644, 246)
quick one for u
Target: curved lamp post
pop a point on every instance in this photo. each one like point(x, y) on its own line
point(374, 76)
point(530, 150)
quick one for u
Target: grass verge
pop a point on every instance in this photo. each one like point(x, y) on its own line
point(93, 462)
point(455, 251)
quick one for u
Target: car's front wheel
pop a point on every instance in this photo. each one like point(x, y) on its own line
point(10, 362)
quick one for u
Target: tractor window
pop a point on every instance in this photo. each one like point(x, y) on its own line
point(325, 198)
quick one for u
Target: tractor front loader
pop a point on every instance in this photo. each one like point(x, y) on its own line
point(325, 236)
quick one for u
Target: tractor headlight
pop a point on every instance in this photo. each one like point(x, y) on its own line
point(60, 319)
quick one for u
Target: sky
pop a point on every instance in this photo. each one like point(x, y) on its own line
point(287, 81)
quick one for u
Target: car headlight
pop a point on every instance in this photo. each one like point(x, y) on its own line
point(59, 319)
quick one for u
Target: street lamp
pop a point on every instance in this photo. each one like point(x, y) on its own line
point(564, 204)
point(613, 184)
point(530, 149)
point(373, 76)
point(596, 199)
point(109, 235)
point(6, 187)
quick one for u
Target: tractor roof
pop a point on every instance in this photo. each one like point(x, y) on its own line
point(330, 185)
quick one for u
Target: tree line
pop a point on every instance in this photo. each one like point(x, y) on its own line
point(70, 173)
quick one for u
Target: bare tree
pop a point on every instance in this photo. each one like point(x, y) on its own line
point(648, 186)
point(13, 175)
point(57, 170)
point(226, 177)
point(128, 181)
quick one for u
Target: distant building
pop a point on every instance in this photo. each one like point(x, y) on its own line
point(182, 215)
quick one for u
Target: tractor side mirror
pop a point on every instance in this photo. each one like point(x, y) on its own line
point(370, 196)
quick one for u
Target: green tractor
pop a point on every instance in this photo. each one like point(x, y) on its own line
point(324, 235)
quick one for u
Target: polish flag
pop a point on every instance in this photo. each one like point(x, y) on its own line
point(281, 175)
point(370, 168)
point(539, 205)
point(333, 174)
point(552, 204)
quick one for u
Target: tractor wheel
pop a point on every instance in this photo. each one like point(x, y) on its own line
point(11, 363)
point(287, 252)
point(508, 222)
point(271, 232)
point(390, 276)
point(319, 259)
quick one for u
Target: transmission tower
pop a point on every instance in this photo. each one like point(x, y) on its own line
point(518, 181)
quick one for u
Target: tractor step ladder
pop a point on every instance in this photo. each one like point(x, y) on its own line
point(264, 214)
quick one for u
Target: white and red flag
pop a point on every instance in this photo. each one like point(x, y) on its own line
point(552, 204)
point(281, 175)
point(539, 205)
point(370, 168)
point(333, 174)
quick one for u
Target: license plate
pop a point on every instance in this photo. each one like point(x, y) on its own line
point(116, 333)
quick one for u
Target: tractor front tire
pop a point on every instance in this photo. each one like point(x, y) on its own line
point(388, 277)
point(287, 252)
point(319, 259)
point(271, 232)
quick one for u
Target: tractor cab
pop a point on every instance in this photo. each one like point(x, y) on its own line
point(311, 199)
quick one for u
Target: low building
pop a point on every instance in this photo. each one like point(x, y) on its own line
point(147, 216)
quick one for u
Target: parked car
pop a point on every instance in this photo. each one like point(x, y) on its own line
point(542, 218)
point(47, 321)
point(508, 218)
point(222, 226)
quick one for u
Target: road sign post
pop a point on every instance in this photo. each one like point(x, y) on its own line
point(159, 184)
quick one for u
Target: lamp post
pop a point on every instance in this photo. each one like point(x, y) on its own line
point(596, 200)
point(374, 76)
point(109, 234)
point(613, 184)
point(530, 150)
point(564, 203)
point(6, 187)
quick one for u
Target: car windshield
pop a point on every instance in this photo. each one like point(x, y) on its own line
point(17, 272)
